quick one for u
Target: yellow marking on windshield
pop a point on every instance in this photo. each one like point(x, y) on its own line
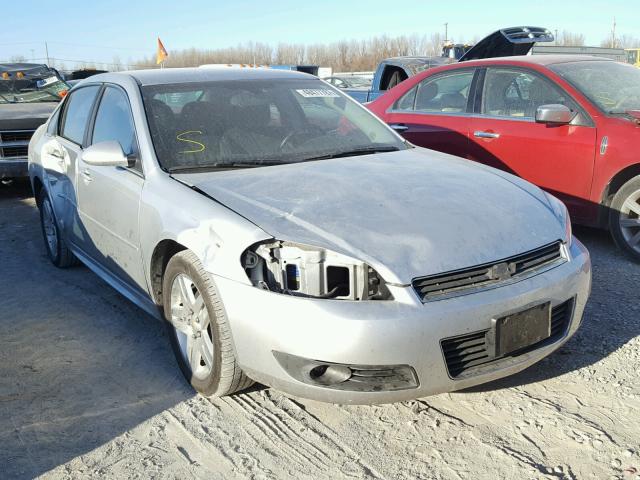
point(200, 148)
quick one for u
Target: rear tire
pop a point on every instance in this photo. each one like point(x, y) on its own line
point(624, 218)
point(198, 328)
point(56, 248)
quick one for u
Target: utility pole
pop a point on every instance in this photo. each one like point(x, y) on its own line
point(46, 49)
point(446, 31)
point(613, 34)
point(33, 56)
point(556, 37)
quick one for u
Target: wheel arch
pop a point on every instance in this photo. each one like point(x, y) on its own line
point(162, 253)
point(617, 181)
point(37, 185)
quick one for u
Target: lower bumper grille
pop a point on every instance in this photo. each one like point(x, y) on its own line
point(466, 352)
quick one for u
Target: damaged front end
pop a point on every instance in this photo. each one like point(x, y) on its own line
point(308, 271)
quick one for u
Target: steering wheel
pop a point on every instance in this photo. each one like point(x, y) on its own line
point(294, 134)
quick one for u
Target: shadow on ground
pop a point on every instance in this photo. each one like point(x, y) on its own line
point(79, 365)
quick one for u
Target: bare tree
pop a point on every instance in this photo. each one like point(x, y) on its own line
point(570, 39)
point(18, 59)
point(628, 41)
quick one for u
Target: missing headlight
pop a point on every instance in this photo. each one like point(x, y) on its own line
point(303, 270)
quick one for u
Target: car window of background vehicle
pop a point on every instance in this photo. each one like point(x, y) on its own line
point(114, 122)
point(76, 113)
point(515, 93)
point(442, 94)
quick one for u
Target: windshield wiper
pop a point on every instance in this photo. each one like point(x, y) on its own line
point(353, 153)
point(220, 166)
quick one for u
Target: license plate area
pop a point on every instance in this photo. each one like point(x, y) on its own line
point(522, 329)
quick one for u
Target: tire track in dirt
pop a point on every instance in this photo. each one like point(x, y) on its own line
point(301, 436)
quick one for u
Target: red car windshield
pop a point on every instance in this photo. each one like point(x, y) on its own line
point(614, 87)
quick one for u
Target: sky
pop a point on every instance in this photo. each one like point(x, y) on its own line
point(96, 31)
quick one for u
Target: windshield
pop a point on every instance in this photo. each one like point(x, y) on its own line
point(632, 56)
point(30, 84)
point(258, 122)
point(612, 86)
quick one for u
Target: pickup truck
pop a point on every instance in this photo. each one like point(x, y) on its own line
point(503, 43)
point(29, 92)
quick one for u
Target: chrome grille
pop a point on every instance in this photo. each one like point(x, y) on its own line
point(465, 352)
point(459, 282)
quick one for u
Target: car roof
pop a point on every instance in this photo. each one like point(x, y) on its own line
point(543, 60)
point(160, 76)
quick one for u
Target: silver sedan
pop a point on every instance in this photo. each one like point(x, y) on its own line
point(285, 235)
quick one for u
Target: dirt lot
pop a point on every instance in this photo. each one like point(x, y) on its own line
point(89, 389)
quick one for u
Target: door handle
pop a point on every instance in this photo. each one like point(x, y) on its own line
point(399, 127)
point(86, 174)
point(481, 134)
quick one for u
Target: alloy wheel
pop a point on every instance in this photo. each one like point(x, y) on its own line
point(192, 324)
point(630, 220)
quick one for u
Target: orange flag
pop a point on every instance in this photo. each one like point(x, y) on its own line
point(162, 53)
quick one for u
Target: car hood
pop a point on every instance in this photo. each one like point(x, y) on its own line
point(24, 116)
point(508, 42)
point(407, 214)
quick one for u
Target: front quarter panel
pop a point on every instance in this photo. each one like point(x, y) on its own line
point(171, 210)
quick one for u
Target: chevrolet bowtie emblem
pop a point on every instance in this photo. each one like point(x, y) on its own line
point(502, 271)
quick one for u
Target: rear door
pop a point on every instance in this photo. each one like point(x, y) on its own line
point(505, 135)
point(435, 113)
point(109, 197)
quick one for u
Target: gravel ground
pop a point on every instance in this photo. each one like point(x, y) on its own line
point(89, 389)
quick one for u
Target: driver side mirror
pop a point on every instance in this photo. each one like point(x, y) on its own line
point(106, 154)
point(554, 114)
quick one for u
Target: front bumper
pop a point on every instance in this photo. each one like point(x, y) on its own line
point(14, 168)
point(400, 332)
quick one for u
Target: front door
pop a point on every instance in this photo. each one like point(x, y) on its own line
point(505, 135)
point(435, 113)
point(109, 197)
point(61, 153)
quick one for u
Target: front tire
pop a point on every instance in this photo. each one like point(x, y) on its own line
point(624, 218)
point(56, 248)
point(198, 328)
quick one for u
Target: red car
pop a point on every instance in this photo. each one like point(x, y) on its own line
point(569, 124)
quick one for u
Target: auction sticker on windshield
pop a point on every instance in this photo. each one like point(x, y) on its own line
point(46, 81)
point(317, 93)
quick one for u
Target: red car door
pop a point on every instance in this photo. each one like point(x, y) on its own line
point(435, 112)
point(505, 135)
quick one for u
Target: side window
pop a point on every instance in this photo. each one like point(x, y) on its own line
point(392, 76)
point(407, 101)
point(77, 112)
point(52, 128)
point(518, 94)
point(446, 93)
point(114, 121)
